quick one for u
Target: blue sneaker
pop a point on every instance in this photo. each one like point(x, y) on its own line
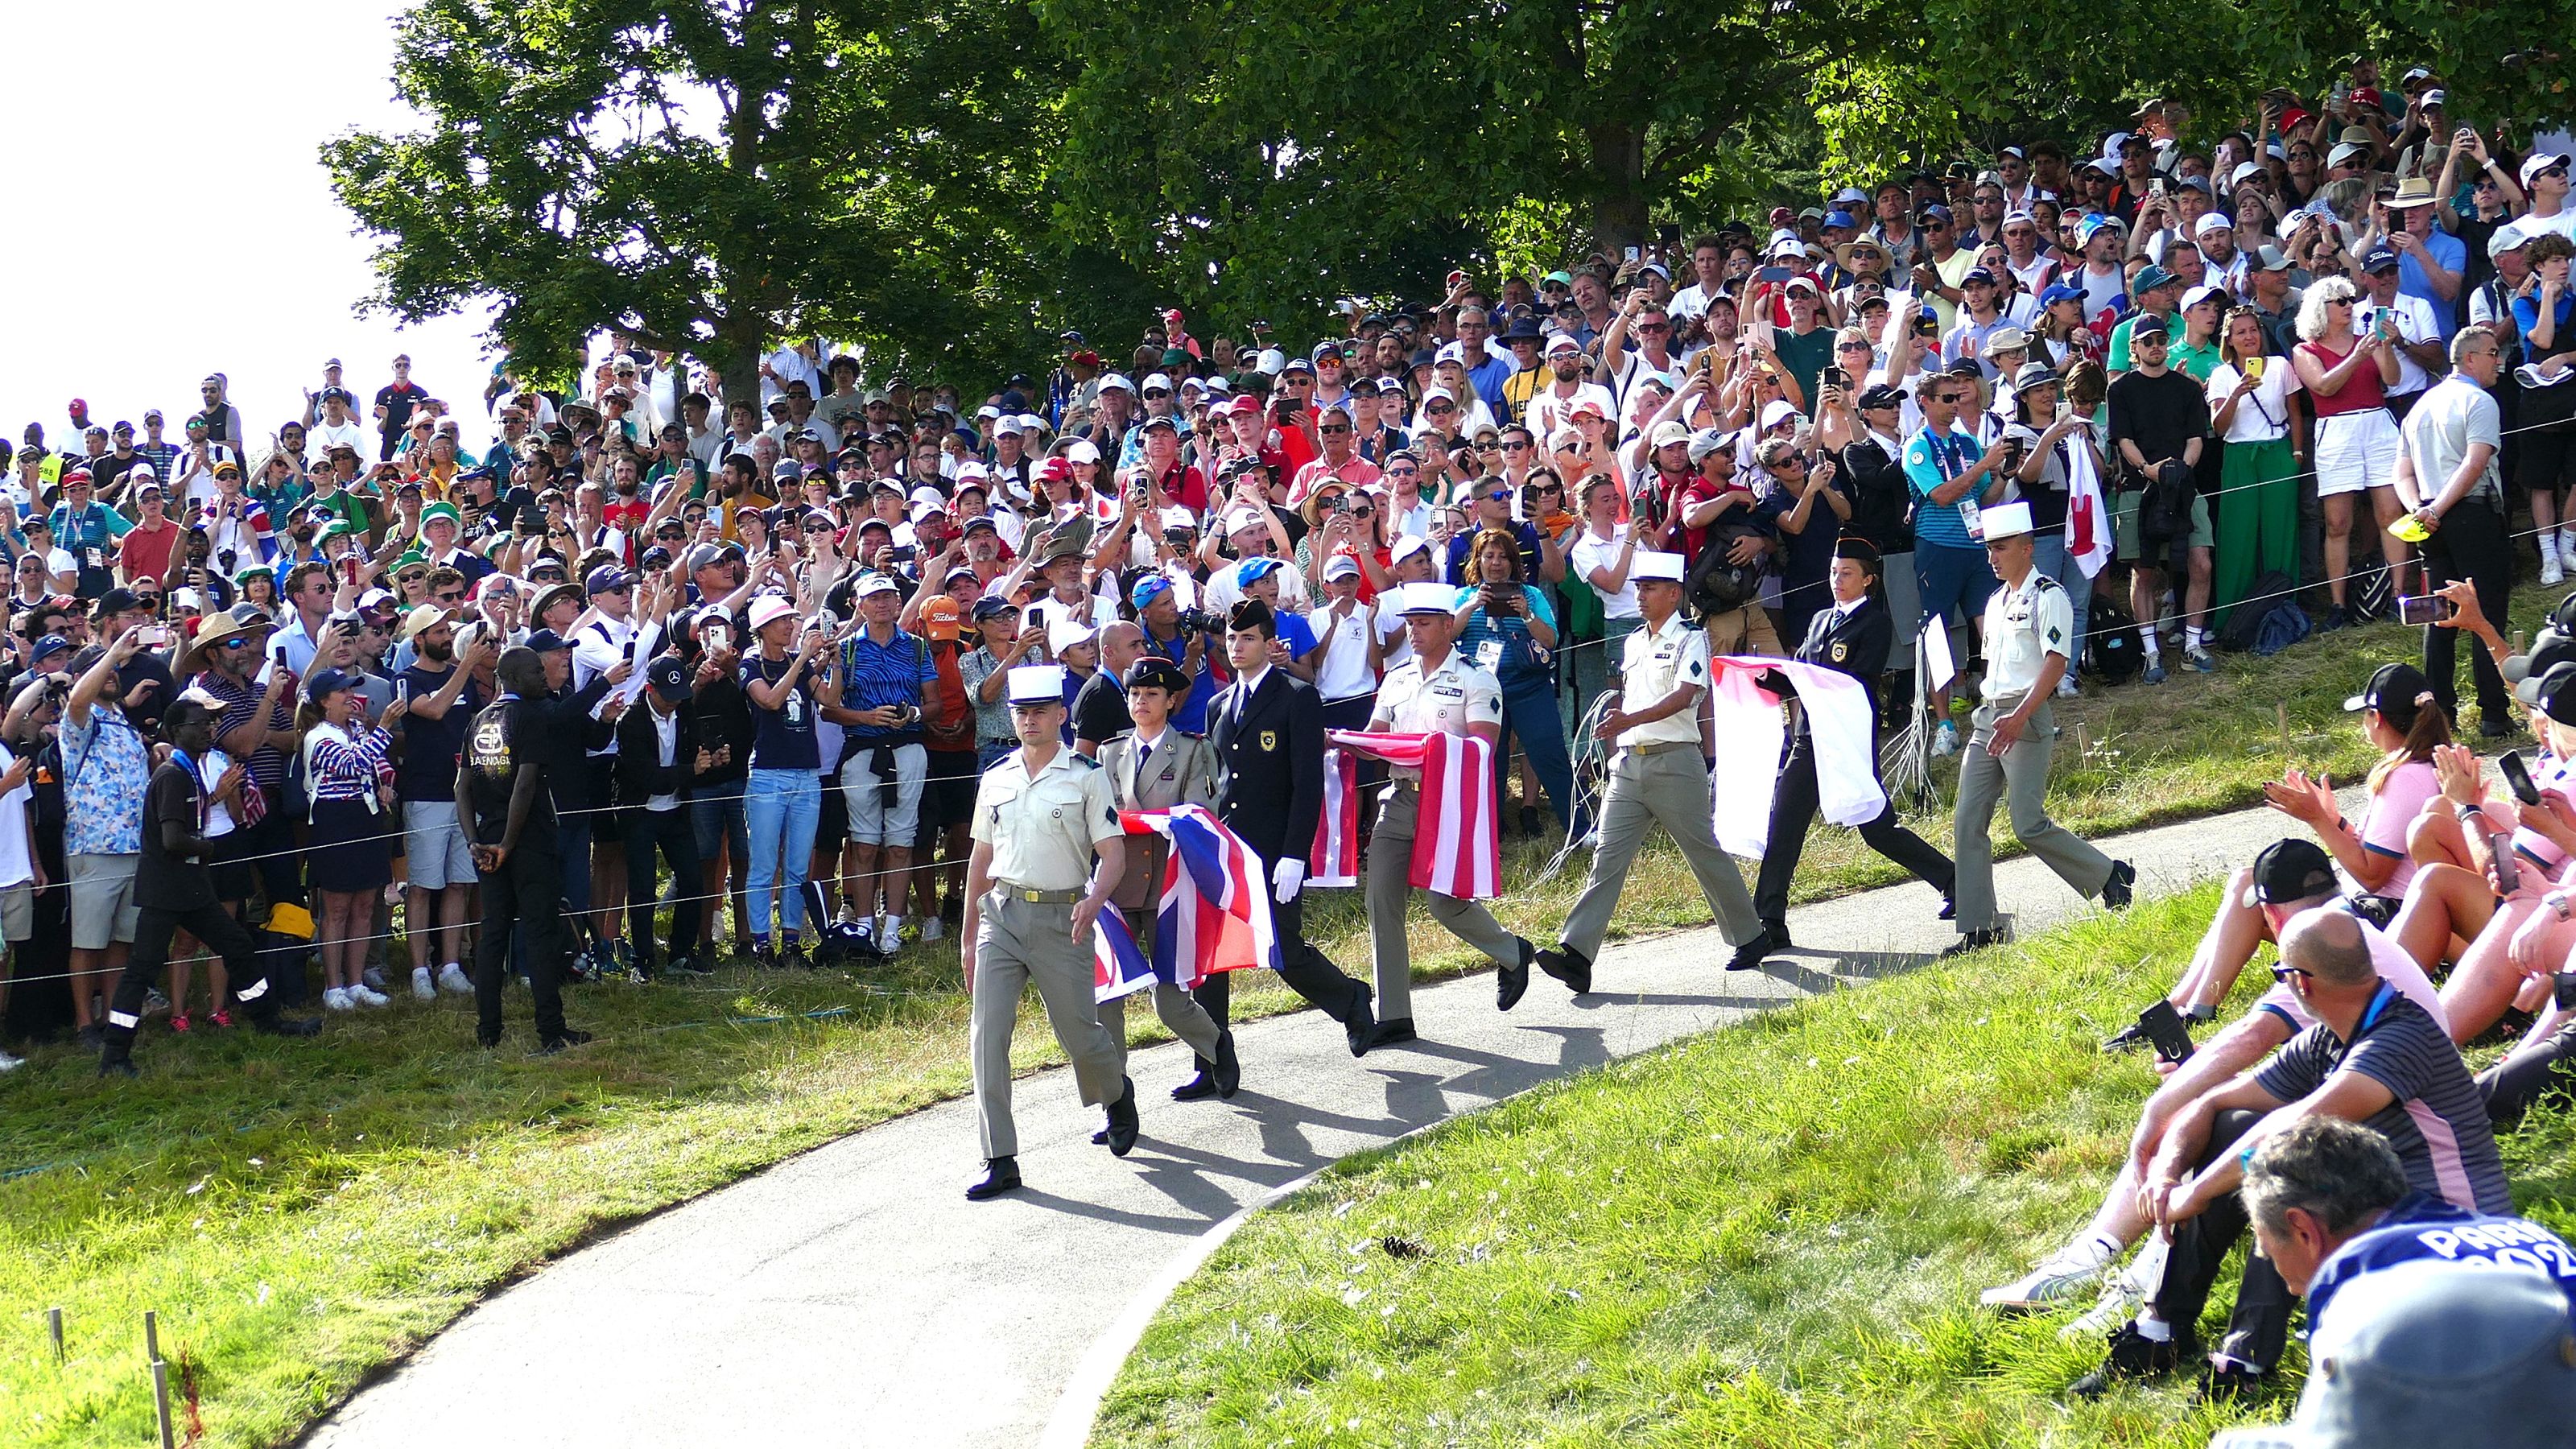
point(2155, 672)
point(2199, 661)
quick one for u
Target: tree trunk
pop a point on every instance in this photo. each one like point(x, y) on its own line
point(1617, 185)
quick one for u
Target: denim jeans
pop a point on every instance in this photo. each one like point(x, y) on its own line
point(1531, 724)
point(2048, 553)
point(781, 809)
point(715, 814)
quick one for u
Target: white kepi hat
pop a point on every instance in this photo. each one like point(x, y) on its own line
point(1037, 684)
point(1649, 566)
point(1425, 599)
point(2005, 520)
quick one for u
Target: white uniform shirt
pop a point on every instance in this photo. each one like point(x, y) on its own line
point(2023, 627)
point(1657, 662)
point(1454, 697)
point(1042, 830)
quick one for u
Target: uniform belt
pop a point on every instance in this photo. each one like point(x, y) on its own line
point(1037, 897)
point(1657, 747)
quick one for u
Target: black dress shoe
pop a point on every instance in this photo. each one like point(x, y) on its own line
point(1394, 1031)
point(1122, 1120)
point(563, 1040)
point(1750, 955)
point(2494, 726)
point(1974, 941)
point(275, 1024)
point(1001, 1175)
point(1567, 965)
point(1359, 1025)
point(1778, 931)
point(2121, 888)
point(1229, 1067)
point(1201, 1085)
point(1511, 983)
point(118, 1067)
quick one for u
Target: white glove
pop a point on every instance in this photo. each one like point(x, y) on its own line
point(1285, 878)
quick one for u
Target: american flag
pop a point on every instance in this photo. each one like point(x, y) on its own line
point(1215, 911)
point(1335, 860)
point(1457, 842)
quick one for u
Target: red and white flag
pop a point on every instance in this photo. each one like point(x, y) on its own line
point(2088, 517)
point(1335, 860)
point(1457, 841)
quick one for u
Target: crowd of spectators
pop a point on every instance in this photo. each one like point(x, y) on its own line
point(2251, 376)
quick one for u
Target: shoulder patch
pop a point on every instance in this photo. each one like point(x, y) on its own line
point(1086, 761)
point(2042, 583)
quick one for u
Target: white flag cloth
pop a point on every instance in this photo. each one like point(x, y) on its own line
point(1750, 731)
point(1937, 663)
point(2088, 516)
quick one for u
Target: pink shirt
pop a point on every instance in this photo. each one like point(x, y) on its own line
point(2392, 811)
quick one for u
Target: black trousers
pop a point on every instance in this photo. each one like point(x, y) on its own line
point(1793, 808)
point(154, 927)
point(2261, 1323)
point(676, 836)
point(270, 848)
point(2533, 1070)
point(1309, 972)
point(2471, 544)
point(525, 893)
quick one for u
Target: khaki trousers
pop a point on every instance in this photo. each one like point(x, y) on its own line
point(1020, 942)
point(1390, 889)
point(1667, 788)
point(2021, 777)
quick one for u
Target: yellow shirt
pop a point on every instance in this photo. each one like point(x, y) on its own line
point(1042, 829)
point(1659, 661)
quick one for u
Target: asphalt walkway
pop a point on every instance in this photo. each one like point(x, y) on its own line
point(851, 1296)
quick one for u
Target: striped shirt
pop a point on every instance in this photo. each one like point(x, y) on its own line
point(874, 675)
point(2438, 1124)
point(267, 764)
point(340, 767)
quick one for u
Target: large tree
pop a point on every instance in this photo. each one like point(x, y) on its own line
point(713, 175)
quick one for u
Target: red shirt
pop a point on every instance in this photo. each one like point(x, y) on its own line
point(145, 552)
point(2360, 392)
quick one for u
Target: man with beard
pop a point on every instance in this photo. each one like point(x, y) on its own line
point(1552, 407)
point(432, 735)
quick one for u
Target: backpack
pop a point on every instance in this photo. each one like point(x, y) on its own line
point(2245, 621)
point(1716, 585)
point(2284, 624)
point(2112, 653)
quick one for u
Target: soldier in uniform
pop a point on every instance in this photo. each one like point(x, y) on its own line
point(1041, 816)
point(1156, 767)
point(173, 888)
point(1851, 638)
point(1268, 731)
point(1656, 777)
point(507, 807)
point(1436, 690)
point(2028, 630)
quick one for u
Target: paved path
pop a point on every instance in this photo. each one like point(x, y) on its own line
point(850, 1296)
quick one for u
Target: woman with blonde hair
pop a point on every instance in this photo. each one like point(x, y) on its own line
point(2346, 377)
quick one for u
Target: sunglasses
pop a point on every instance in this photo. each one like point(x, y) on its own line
point(1330, 428)
point(1652, 329)
point(234, 645)
point(449, 596)
point(148, 600)
point(2283, 974)
point(1516, 447)
point(1404, 472)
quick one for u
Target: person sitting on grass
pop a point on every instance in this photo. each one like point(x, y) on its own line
point(2286, 881)
point(2373, 1056)
point(2399, 719)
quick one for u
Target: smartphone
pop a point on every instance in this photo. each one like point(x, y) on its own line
point(349, 568)
point(2166, 1032)
point(1632, 254)
point(2517, 775)
point(1670, 234)
point(1456, 276)
point(2415, 611)
point(2253, 368)
point(2562, 989)
point(1834, 376)
point(153, 636)
point(2385, 322)
point(2156, 187)
point(1773, 275)
point(715, 636)
point(2508, 871)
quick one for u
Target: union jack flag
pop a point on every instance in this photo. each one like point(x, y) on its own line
point(1215, 911)
point(1118, 965)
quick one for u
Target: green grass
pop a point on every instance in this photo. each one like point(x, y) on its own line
point(304, 1214)
point(1770, 1235)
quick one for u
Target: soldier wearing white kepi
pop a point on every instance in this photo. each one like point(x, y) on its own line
point(1656, 777)
point(1436, 690)
point(1032, 892)
point(2029, 633)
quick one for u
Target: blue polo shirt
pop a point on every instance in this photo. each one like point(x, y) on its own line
point(874, 675)
point(2453, 254)
point(1932, 460)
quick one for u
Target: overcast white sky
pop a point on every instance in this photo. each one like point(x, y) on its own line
point(172, 219)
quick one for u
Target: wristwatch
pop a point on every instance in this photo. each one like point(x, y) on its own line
point(2556, 901)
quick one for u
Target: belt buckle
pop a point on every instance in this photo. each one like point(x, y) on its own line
point(1033, 897)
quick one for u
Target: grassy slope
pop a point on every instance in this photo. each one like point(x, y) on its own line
point(401, 1174)
point(1770, 1235)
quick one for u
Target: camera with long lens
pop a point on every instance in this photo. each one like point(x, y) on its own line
point(1202, 621)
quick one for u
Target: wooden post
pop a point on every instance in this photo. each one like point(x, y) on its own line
point(2281, 716)
point(161, 1401)
point(151, 1336)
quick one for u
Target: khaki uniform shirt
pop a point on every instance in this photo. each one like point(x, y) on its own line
point(2022, 627)
point(1455, 696)
point(1660, 661)
point(1042, 829)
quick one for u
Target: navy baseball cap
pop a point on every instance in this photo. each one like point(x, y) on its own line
point(667, 678)
point(47, 647)
point(603, 579)
point(547, 641)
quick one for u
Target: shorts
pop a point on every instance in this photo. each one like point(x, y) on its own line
point(2356, 452)
point(228, 863)
point(874, 818)
point(947, 795)
point(18, 911)
point(715, 813)
point(1951, 582)
point(103, 909)
point(832, 820)
point(435, 845)
point(2124, 526)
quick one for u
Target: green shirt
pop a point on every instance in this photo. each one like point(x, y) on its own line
point(2199, 360)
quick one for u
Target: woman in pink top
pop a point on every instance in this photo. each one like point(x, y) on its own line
point(2398, 717)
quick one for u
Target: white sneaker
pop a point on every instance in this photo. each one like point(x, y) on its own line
point(931, 929)
point(155, 1004)
point(2549, 570)
point(9, 1063)
point(421, 987)
point(453, 980)
point(366, 995)
point(1945, 740)
point(889, 933)
point(336, 999)
point(2066, 686)
point(2062, 1275)
point(2123, 1294)
point(2567, 543)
